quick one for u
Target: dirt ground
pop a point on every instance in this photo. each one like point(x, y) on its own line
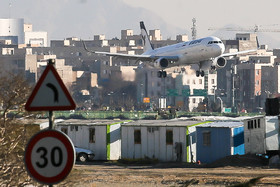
point(225, 172)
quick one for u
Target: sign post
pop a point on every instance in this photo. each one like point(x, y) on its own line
point(50, 93)
point(50, 154)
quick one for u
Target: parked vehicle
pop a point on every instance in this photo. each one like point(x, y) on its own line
point(84, 155)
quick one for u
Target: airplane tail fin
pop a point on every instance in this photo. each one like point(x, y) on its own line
point(145, 38)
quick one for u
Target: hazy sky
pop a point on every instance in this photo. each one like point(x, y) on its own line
point(84, 18)
point(214, 13)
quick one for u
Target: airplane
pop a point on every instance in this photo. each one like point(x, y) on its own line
point(207, 53)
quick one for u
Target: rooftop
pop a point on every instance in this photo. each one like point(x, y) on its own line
point(82, 122)
point(223, 124)
point(173, 123)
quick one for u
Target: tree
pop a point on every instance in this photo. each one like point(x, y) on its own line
point(13, 140)
point(14, 92)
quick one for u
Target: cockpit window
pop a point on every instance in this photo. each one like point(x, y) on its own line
point(214, 42)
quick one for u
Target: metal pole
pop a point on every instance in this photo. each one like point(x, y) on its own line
point(222, 106)
point(51, 119)
point(233, 88)
point(50, 128)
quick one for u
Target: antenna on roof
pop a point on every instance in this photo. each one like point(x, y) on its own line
point(10, 12)
point(10, 7)
point(194, 32)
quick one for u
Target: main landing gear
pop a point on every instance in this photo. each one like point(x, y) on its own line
point(201, 73)
point(161, 74)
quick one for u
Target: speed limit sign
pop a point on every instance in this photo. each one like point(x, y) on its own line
point(49, 156)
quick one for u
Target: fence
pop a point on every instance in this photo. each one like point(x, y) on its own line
point(106, 114)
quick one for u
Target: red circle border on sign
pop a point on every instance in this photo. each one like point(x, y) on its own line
point(70, 153)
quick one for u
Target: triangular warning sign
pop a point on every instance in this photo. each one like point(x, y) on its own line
point(50, 93)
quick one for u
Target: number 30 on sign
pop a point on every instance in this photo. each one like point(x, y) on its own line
point(49, 156)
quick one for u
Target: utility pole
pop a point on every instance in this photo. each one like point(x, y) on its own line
point(10, 15)
point(233, 73)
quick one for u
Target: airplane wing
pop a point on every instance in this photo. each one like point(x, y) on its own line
point(238, 53)
point(134, 57)
point(138, 57)
point(144, 57)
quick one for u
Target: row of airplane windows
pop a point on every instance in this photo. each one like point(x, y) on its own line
point(198, 41)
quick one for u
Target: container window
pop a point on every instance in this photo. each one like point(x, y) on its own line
point(251, 124)
point(207, 138)
point(74, 127)
point(64, 130)
point(92, 135)
point(137, 136)
point(169, 137)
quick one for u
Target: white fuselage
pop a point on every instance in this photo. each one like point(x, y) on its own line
point(191, 52)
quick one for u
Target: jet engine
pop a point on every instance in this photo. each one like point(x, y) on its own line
point(161, 63)
point(219, 62)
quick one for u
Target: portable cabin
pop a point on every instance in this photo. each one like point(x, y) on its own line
point(254, 131)
point(164, 140)
point(254, 134)
point(219, 139)
point(100, 136)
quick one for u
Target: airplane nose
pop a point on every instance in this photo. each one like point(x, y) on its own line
point(219, 49)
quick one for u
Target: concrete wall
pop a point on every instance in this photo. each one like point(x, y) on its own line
point(219, 147)
point(254, 135)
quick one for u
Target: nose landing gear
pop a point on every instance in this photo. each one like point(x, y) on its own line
point(201, 73)
point(161, 74)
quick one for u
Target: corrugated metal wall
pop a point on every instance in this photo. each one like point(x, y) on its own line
point(114, 144)
point(80, 138)
point(238, 141)
point(220, 144)
point(153, 143)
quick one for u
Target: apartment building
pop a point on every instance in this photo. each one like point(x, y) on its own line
point(249, 82)
point(270, 81)
point(65, 72)
point(19, 32)
point(242, 42)
point(248, 75)
point(150, 86)
point(18, 61)
point(155, 34)
point(191, 90)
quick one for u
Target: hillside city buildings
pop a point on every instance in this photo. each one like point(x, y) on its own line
point(100, 82)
